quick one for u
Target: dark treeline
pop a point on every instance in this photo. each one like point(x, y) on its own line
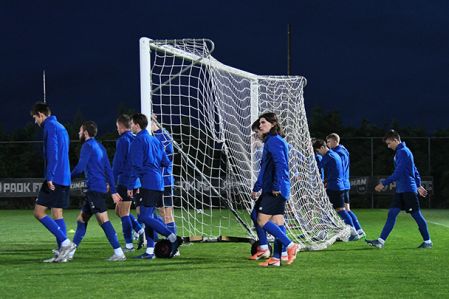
point(367, 156)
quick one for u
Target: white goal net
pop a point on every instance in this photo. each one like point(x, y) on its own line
point(208, 109)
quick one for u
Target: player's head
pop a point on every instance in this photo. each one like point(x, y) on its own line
point(319, 145)
point(332, 140)
point(154, 126)
point(139, 122)
point(40, 111)
point(123, 123)
point(256, 130)
point(392, 139)
point(88, 130)
point(269, 123)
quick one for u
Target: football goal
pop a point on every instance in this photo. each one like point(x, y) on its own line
point(208, 108)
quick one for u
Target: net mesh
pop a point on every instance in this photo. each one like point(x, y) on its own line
point(208, 109)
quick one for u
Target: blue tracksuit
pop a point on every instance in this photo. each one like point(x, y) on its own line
point(274, 171)
point(405, 174)
point(344, 156)
point(333, 171)
point(121, 165)
point(95, 164)
point(56, 152)
point(164, 137)
point(147, 157)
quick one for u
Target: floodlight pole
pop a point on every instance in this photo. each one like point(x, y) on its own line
point(43, 84)
point(289, 50)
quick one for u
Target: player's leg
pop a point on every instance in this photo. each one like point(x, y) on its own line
point(149, 200)
point(122, 209)
point(412, 206)
point(98, 205)
point(351, 214)
point(81, 227)
point(49, 199)
point(393, 213)
point(263, 249)
point(423, 229)
point(166, 211)
point(283, 248)
point(275, 205)
point(337, 200)
point(275, 260)
point(138, 226)
point(111, 235)
point(58, 216)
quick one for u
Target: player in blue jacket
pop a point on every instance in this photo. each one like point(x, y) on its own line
point(94, 163)
point(165, 207)
point(147, 159)
point(334, 182)
point(273, 183)
point(333, 142)
point(121, 167)
point(408, 186)
point(55, 191)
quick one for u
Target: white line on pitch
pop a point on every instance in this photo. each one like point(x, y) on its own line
point(436, 223)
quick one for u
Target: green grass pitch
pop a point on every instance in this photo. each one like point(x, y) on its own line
point(221, 270)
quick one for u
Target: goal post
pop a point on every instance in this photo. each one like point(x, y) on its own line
point(208, 108)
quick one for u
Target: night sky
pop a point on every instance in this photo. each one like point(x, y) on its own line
point(380, 60)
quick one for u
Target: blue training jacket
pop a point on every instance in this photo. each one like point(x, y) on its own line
point(405, 173)
point(56, 152)
point(164, 137)
point(346, 162)
point(274, 171)
point(121, 164)
point(333, 170)
point(147, 159)
point(95, 164)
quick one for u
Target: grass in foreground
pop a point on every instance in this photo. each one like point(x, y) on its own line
point(221, 270)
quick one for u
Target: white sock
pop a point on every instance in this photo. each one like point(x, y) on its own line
point(381, 241)
point(290, 245)
point(428, 241)
point(263, 247)
point(150, 250)
point(66, 242)
point(129, 245)
point(141, 231)
point(172, 238)
point(118, 251)
point(284, 253)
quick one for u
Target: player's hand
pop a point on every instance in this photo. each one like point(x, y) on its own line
point(51, 186)
point(276, 193)
point(116, 198)
point(254, 195)
point(379, 187)
point(422, 191)
point(130, 193)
